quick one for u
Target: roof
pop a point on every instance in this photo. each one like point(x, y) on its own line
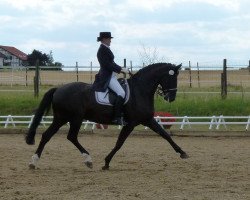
point(14, 51)
point(2, 55)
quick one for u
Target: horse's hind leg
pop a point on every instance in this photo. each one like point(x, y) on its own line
point(75, 126)
point(53, 128)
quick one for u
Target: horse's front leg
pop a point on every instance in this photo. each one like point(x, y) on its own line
point(153, 125)
point(126, 130)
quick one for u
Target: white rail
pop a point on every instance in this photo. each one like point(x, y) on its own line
point(27, 120)
point(212, 121)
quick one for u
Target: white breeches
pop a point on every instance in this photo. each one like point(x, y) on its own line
point(116, 87)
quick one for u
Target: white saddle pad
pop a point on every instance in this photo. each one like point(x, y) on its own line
point(103, 97)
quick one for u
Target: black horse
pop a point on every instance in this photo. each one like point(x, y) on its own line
point(75, 102)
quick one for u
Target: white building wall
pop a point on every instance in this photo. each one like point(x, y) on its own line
point(1, 62)
point(13, 60)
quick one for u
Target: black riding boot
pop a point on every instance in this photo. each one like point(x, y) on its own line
point(118, 119)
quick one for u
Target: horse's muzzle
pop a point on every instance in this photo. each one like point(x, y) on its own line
point(170, 96)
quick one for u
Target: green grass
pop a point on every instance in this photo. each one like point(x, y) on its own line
point(24, 103)
point(18, 103)
point(204, 105)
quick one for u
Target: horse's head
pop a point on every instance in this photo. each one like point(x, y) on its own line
point(169, 83)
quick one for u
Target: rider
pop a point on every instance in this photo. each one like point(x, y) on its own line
point(106, 77)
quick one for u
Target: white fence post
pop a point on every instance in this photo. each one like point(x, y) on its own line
point(9, 120)
point(221, 121)
point(31, 119)
point(248, 123)
point(213, 122)
point(184, 122)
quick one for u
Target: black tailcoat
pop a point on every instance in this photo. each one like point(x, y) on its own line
point(107, 67)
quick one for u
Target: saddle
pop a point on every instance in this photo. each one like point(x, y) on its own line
point(109, 96)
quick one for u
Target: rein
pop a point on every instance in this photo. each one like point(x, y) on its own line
point(162, 92)
point(130, 74)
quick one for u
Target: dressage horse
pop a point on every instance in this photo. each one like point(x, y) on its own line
point(74, 102)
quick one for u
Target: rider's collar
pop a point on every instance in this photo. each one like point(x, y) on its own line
point(106, 45)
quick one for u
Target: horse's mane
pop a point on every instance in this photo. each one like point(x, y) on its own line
point(150, 67)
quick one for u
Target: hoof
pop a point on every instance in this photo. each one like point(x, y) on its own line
point(89, 164)
point(34, 161)
point(105, 168)
point(32, 166)
point(29, 141)
point(184, 156)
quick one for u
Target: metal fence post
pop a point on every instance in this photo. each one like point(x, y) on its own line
point(26, 76)
point(36, 80)
point(224, 80)
point(198, 71)
point(125, 65)
point(91, 72)
point(190, 75)
point(77, 75)
point(124, 62)
point(131, 66)
point(249, 67)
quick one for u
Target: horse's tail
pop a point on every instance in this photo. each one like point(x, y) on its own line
point(45, 105)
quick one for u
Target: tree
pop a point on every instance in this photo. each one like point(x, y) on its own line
point(50, 59)
point(44, 59)
point(58, 64)
point(149, 55)
point(38, 55)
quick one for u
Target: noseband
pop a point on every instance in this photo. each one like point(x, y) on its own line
point(162, 92)
point(169, 90)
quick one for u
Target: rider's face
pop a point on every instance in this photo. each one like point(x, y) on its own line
point(106, 41)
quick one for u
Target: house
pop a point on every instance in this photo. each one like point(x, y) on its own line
point(11, 56)
point(2, 57)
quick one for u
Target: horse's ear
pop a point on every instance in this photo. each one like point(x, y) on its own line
point(179, 66)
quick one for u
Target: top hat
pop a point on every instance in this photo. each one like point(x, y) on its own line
point(104, 35)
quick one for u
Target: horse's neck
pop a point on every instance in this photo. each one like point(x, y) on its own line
point(148, 82)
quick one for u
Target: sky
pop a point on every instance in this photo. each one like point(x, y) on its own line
point(175, 31)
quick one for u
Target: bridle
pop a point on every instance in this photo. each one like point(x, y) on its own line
point(162, 92)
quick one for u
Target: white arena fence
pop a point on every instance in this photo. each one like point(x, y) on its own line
point(213, 122)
